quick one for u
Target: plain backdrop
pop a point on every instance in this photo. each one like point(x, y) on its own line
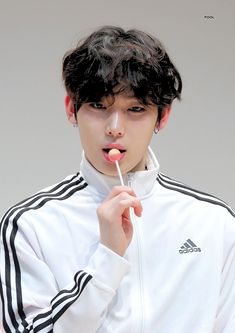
point(38, 147)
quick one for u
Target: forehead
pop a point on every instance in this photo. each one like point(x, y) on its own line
point(127, 97)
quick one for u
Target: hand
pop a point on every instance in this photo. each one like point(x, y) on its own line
point(116, 228)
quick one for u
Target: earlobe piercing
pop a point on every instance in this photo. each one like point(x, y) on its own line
point(75, 125)
point(156, 130)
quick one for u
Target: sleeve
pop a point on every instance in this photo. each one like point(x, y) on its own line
point(31, 301)
point(225, 320)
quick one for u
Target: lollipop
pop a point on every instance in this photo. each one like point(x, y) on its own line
point(114, 156)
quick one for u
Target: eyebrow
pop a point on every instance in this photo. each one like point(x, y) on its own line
point(112, 97)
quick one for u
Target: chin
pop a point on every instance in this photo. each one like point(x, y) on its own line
point(110, 173)
point(107, 171)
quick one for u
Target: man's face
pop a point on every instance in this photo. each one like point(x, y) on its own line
point(120, 122)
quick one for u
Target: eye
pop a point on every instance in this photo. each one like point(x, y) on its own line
point(97, 105)
point(137, 109)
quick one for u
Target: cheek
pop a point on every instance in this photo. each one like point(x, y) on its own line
point(143, 134)
point(90, 137)
point(87, 127)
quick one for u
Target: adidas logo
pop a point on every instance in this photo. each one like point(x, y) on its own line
point(189, 247)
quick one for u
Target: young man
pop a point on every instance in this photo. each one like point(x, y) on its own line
point(89, 255)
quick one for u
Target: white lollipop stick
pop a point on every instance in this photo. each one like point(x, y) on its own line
point(119, 172)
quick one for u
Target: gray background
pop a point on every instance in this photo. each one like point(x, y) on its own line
point(39, 147)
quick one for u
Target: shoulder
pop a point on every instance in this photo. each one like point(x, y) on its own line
point(59, 192)
point(185, 192)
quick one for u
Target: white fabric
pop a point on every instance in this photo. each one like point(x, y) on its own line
point(59, 269)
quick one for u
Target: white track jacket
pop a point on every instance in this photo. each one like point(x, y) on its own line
point(177, 276)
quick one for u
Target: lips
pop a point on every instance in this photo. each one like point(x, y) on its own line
point(110, 146)
point(114, 146)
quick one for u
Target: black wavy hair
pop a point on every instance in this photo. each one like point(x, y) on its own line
point(112, 60)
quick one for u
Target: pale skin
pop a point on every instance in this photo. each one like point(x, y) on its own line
point(130, 124)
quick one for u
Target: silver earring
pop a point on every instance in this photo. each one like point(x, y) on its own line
point(75, 125)
point(156, 130)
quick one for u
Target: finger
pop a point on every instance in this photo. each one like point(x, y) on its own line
point(116, 190)
point(127, 226)
point(138, 210)
point(131, 202)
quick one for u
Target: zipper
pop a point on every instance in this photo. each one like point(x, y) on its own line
point(138, 253)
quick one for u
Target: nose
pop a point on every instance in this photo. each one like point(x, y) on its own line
point(115, 126)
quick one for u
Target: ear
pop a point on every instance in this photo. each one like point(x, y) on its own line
point(164, 118)
point(70, 112)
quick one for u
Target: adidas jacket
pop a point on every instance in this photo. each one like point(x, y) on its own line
point(177, 276)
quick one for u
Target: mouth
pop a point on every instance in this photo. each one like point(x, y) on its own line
point(107, 156)
point(107, 150)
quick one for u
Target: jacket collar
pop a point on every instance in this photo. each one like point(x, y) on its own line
point(141, 182)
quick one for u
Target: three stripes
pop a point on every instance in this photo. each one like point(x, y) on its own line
point(171, 184)
point(12, 279)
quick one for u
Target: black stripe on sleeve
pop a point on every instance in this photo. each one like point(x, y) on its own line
point(50, 196)
point(202, 196)
point(66, 306)
point(41, 193)
point(81, 279)
point(55, 302)
point(42, 198)
point(5, 325)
